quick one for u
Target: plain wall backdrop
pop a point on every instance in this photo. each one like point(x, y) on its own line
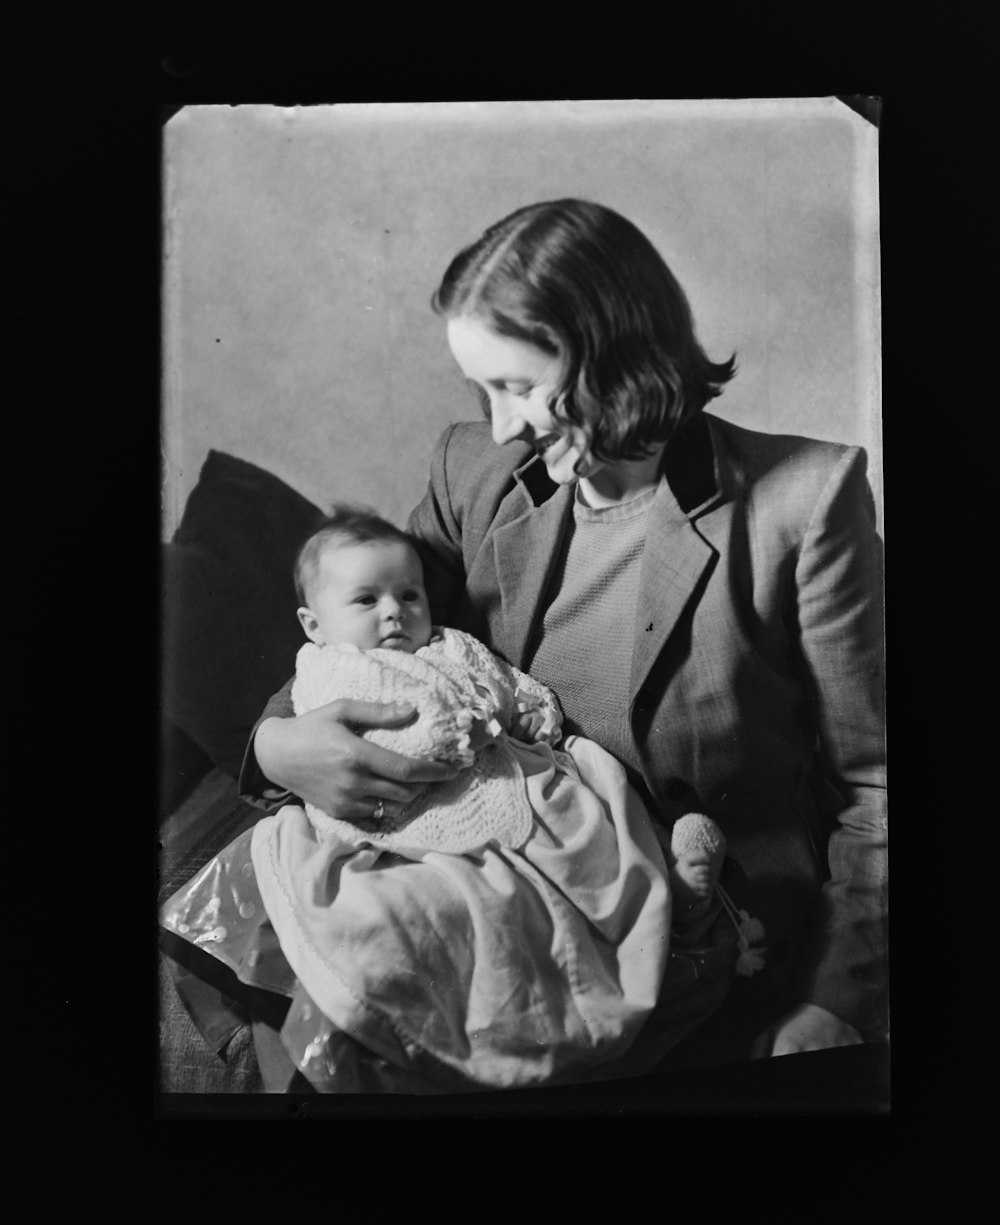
point(302, 245)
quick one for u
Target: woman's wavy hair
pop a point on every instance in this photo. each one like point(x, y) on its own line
point(580, 282)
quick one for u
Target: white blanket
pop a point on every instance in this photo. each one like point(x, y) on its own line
point(505, 967)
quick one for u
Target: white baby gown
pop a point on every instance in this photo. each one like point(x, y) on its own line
point(510, 928)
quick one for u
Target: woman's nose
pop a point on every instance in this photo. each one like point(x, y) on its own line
point(506, 425)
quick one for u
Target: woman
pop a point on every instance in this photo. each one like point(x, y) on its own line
point(704, 599)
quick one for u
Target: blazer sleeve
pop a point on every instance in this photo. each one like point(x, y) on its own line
point(253, 786)
point(840, 621)
point(436, 526)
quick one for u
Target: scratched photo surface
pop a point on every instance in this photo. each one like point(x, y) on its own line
point(301, 247)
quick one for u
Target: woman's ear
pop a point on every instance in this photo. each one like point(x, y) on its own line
point(309, 623)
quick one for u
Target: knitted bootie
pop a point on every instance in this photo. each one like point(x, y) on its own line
point(697, 849)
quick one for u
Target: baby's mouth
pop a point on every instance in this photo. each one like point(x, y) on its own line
point(395, 640)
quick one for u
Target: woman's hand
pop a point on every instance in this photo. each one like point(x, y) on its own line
point(806, 1028)
point(320, 757)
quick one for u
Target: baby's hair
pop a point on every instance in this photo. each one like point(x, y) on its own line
point(346, 524)
point(581, 282)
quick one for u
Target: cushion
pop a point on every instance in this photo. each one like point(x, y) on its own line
point(181, 765)
point(230, 630)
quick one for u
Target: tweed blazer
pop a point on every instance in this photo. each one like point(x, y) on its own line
point(756, 690)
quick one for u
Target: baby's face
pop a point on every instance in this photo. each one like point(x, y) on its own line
point(368, 595)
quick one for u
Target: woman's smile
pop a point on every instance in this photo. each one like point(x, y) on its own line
point(542, 444)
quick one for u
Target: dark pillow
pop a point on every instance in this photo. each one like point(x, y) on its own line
point(231, 633)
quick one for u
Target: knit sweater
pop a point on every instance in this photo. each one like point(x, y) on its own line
point(591, 604)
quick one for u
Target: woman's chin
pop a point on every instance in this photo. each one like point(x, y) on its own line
point(561, 477)
point(562, 466)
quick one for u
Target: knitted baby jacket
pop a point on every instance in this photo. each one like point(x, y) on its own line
point(465, 698)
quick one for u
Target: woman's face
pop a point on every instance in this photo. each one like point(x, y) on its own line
point(519, 380)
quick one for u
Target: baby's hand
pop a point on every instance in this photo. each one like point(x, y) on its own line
point(531, 721)
point(526, 724)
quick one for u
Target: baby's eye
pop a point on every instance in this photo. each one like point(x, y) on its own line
point(367, 600)
point(412, 596)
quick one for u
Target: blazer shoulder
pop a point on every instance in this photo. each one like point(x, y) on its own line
point(474, 440)
point(781, 459)
point(472, 462)
point(786, 483)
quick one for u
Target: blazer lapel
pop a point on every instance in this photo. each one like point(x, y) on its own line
point(675, 556)
point(674, 559)
point(524, 552)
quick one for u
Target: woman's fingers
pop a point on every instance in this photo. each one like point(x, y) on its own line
point(367, 808)
point(323, 758)
point(373, 789)
point(368, 791)
point(357, 714)
point(382, 763)
point(389, 767)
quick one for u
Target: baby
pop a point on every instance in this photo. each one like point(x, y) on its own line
point(509, 927)
point(365, 611)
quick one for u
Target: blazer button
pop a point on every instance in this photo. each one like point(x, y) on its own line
point(676, 789)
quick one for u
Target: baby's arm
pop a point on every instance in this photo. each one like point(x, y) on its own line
point(525, 709)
